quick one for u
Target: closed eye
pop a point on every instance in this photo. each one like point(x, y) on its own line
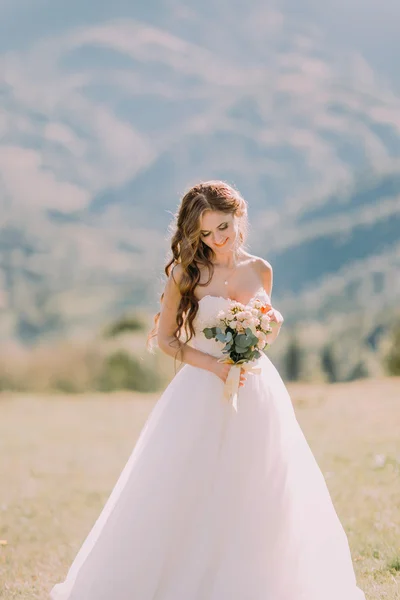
point(220, 227)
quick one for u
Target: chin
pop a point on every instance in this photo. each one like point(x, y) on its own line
point(219, 250)
point(225, 248)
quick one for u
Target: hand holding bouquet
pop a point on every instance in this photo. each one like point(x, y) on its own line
point(243, 329)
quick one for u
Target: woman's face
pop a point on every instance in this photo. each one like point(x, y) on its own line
point(219, 231)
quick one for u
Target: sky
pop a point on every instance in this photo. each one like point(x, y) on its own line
point(93, 93)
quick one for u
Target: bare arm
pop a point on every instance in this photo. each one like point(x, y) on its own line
point(167, 324)
point(267, 277)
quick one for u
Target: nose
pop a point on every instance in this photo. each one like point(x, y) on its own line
point(219, 240)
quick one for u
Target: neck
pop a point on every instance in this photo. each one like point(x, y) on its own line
point(228, 262)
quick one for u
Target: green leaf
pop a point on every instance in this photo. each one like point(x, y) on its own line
point(241, 350)
point(253, 338)
point(241, 340)
point(208, 332)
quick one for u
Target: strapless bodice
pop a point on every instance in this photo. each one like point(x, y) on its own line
point(209, 307)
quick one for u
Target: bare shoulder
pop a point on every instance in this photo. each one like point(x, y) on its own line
point(264, 271)
point(176, 273)
point(172, 285)
point(263, 266)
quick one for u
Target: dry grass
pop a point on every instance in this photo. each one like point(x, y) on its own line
point(60, 457)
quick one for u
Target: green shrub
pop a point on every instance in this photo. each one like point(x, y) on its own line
point(293, 360)
point(125, 324)
point(66, 386)
point(7, 383)
point(121, 370)
point(394, 564)
point(392, 358)
point(358, 371)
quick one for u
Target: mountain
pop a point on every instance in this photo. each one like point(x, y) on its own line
point(340, 256)
point(344, 254)
point(107, 119)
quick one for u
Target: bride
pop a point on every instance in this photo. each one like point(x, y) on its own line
point(215, 503)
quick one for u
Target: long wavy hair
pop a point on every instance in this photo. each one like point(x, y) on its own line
point(190, 251)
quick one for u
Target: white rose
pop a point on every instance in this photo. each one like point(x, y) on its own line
point(265, 322)
point(262, 337)
point(241, 315)
point(253, 327)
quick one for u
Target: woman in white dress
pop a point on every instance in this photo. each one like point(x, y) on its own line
point(215, 503)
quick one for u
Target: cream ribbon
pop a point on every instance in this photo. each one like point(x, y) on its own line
point(231, 387)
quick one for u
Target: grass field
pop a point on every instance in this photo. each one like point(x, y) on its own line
point(61, 455)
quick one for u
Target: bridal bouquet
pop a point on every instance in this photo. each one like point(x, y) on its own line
point(243, 330)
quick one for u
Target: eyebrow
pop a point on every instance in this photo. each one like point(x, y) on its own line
point(208, 231)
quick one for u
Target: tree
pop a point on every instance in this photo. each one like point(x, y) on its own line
point(392, 358)
point(293, 360)
point(328, 364)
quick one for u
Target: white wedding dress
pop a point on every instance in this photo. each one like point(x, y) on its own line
point(215, 504)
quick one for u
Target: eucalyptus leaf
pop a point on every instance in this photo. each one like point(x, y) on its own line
point(220, 337)
point(208, 332)
point(241, 340)
point(251, 336)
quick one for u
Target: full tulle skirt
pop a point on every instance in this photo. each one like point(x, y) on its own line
point(215, 504)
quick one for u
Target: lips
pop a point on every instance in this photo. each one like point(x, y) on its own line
point(220, 245)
